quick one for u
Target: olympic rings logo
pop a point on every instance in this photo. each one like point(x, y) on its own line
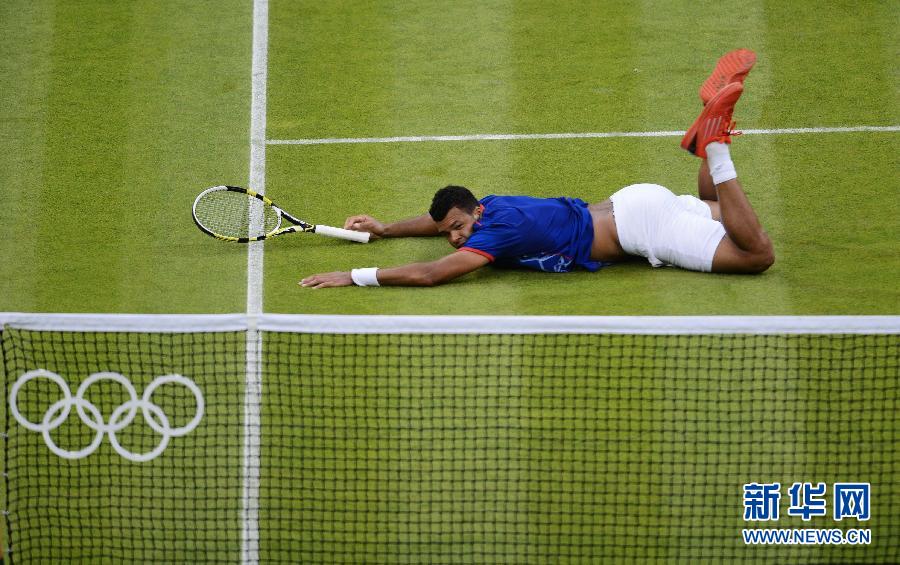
point(118, 420)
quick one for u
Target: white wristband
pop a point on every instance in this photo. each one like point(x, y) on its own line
point(365, 277)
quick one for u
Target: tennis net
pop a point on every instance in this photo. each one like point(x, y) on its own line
point(457, 440)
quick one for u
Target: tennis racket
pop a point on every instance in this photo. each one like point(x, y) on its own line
point(232, 213)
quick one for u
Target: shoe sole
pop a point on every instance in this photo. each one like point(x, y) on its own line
point(731, 67)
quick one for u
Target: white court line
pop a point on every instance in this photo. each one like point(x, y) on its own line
point(586, 135)
point(253, 380)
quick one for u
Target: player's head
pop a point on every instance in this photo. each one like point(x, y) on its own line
point(455, 210)
point(451, 197)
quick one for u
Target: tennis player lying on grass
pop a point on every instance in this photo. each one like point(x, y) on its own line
point(718, 232)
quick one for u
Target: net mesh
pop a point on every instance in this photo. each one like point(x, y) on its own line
point(410, 448)
point(182, 505)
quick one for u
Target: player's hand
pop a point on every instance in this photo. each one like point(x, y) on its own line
point(325, 280)
point(365, 223)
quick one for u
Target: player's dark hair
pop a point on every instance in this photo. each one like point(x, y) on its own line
point(452, 197)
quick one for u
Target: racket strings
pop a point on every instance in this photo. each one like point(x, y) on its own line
point(234, 214)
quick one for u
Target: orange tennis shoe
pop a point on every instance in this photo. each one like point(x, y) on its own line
point(714, 122)
point(732, 67)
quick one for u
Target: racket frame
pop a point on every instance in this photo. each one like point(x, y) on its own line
point(298, 224)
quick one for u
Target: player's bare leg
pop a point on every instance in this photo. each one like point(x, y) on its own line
point(705, 185)
point(745, 248)
point(707, 189)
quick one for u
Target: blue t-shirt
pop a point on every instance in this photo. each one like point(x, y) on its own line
point(547, 234)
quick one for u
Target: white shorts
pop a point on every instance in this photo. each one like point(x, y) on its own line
point(666, 229)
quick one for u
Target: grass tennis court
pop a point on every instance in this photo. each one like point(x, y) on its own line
point(116, 115)
point(122, 113)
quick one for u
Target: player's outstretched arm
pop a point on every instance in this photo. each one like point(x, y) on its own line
point(413, 227)
point(415, 274)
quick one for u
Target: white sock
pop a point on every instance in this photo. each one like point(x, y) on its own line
point(719, 160)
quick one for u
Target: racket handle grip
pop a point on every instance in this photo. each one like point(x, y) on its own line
point(360, 236)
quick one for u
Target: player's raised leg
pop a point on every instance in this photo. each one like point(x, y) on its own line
point(731, 67)
point(706, 189)
point(746, 248)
